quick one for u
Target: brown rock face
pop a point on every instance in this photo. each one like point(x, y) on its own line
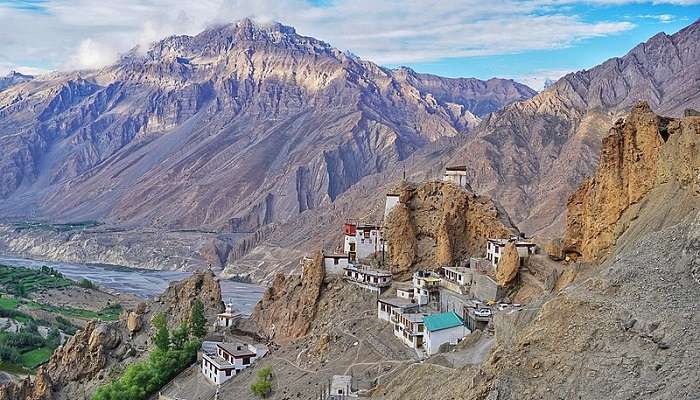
point(508, 265)
point(438, 223)
point(289, 305)
point(133, 322)
point(641, 152)
point(178, 298)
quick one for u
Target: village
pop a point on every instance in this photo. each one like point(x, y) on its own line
point(429, 312)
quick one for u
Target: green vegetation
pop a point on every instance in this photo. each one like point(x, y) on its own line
point(198, 321)
point(263, 385)
point(27, 349)
point(36, 357)
point(87, 284)
point(20, 226)
point(140, 380)
point(22, 281)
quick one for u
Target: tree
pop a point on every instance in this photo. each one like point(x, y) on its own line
point(263, 385)
point(181, 335)
point(197, 320)
point(162, 337)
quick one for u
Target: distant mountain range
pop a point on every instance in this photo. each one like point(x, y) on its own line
point(240, 126)
point(254, 128)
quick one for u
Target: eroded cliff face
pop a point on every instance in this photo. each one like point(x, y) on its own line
point(642, 152)
point(438, 223)
point(288, 307)
point(83, 363)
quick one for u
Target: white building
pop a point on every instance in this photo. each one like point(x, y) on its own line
point(227, 318)
point(368, 278)
point(426, 287)
point(392, 200)
point(404, 291)
point(409, 327)
point(494, 249)
point(459, 275)
point(362, 241)
point(456, 175)
point(334, 263)
point(386, 306)
point(222, 361)
point(443, 328)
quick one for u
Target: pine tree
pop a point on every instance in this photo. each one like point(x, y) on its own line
point(162, 338)
point(197, 320)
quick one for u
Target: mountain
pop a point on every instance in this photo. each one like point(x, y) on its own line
point(235, 128)
point(532, 154)
point(13, 78)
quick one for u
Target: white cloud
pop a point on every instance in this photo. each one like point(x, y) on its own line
point(537, 79)
point(88, 34)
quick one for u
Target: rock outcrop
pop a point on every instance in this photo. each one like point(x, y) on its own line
point(642, 151)
point(288, 307)
point(438, 223)
point(81, 364)
point(508, 265)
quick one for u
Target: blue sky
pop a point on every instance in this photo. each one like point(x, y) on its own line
point(527, 40)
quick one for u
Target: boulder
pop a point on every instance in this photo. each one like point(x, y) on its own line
point(508, 265)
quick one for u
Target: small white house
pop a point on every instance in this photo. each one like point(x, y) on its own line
point(388, 305)
point(409, 327)
point(426, 287)
point(362, 241)
point(392, 200)
point(494, 249)
point(334, 263)
point(456, 175)
point(404, 291)
point(443, 328)
point(458, 275)
point(368, 278)
point(227, 318)
point(224, 360)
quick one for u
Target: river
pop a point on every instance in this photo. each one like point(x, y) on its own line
point(141, 282)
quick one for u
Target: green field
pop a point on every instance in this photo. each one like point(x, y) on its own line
point(67, 227)
point(22, 281)
point(24, 351)
point(36, 357)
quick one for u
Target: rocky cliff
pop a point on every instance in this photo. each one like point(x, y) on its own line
point(438, 223)
point(288, 307)
point(643, 151)
point(84, 362)
point(615, 338)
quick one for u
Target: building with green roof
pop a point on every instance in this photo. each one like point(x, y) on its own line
point(443, 328)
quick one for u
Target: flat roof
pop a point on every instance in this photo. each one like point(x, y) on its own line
point(429, 278)
point(503, 242)
point(232, 349)
point(456, 168)
point(368, 271)
point(456, 269)
point(415, 317)
point(218, 362)
point(397, 302)
point(438, 322)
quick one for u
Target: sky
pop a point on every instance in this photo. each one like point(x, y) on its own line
point(526, 40)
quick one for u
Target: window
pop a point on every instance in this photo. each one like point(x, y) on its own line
point(335, 261)
point(246, 360)
point(228, 372)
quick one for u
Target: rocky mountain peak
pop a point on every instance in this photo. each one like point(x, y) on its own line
point(642, 153)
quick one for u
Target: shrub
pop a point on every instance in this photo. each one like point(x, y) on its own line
point(9, 354)
point(87, 284)
point(263, 385)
